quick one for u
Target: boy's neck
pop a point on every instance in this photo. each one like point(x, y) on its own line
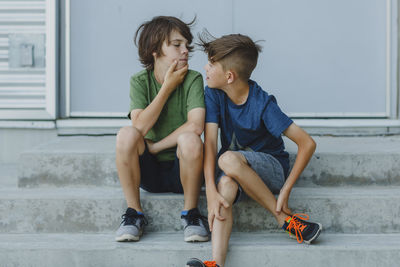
point(159, 73)
point(238, 91)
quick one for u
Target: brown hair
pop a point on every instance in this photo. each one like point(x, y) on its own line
point(235, 51)
point(153, 33)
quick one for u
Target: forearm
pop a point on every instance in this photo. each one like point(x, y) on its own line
point(146, 119)
point(171, 140)
point(210, 152)
point(304, 154)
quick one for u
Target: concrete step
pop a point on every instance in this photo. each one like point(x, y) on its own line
point(90, 161)
point(78, 210)
point(70, 161)
point(8, 174)
point(168, 249)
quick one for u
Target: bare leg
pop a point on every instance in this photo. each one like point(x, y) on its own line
point(221, 233)
point(235, 165)
point(190, 154)
point(130, 144)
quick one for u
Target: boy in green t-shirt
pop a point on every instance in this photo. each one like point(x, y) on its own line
point(162, 150)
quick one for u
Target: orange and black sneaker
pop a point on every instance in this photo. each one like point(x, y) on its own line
point(193, 262)
point(297, 226)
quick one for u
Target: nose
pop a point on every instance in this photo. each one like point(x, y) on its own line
point(184, 50)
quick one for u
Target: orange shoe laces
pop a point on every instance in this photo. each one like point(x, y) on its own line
point(210, 263)
point(297, 225)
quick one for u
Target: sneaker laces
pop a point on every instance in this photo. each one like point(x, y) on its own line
point(131, 219)
point(298, 225)
point(210, 263)
point(195, 217)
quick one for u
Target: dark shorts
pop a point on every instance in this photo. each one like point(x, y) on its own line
point(159, 177)
point(266, 166)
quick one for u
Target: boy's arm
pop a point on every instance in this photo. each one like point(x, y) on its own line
point(194, 123)
point(144, 119)
point(306, 147)
point(214, 199)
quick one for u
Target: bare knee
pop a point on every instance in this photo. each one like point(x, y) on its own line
point(190, 146)
point(228, 188)
point(231, 162)
point(129, 139)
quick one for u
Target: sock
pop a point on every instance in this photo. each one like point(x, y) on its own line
point(184, 212)
point(139, 212)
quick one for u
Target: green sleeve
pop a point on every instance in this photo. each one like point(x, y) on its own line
point(138, 94)
point(195, 97)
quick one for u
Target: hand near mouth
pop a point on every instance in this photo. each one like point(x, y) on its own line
point(175, 75)
point(181, 63)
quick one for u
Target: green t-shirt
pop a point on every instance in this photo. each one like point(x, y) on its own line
point(187, 96)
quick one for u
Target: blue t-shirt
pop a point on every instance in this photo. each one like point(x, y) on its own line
point(256, 125)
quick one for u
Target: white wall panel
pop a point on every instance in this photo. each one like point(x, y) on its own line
point(27, 92)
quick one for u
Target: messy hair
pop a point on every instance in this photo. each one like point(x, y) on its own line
point(234, 52)
point(153, 33)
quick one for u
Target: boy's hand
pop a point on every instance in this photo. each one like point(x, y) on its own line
point(151, 147)
point(214, 203)
point(283, 202)
point(174, 77)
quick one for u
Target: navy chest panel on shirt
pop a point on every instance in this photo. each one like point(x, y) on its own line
point(244, 123)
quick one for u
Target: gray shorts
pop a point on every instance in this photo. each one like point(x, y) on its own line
point(266, 166)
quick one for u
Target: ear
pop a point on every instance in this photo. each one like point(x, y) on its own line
point(154, 55)
point(230, 76)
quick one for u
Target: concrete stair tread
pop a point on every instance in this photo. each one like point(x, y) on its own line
point(353, 145)
point(74, 210)
point(90, 161)
point(169, 249)
point(325, 144)
point(77, 144)
point(8, 174)
point(114, 192)
point(175, 241)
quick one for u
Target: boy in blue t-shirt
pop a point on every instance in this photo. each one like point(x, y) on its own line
point(252, 160)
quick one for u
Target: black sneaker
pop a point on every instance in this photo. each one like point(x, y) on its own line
point(198, 263)
point(195, 226)
point(131, 228)
point(297, 226)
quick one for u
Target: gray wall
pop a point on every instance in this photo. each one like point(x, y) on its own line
point(320, 58)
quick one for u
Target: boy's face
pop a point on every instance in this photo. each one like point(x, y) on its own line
point(177, 49)
point(215, 75)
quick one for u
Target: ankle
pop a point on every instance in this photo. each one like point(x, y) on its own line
point(280, 218)
point(137, 209)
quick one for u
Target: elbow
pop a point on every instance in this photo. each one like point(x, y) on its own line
point(137, 123)
point(312, 145)
point(140, 128)
point(196, 128)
